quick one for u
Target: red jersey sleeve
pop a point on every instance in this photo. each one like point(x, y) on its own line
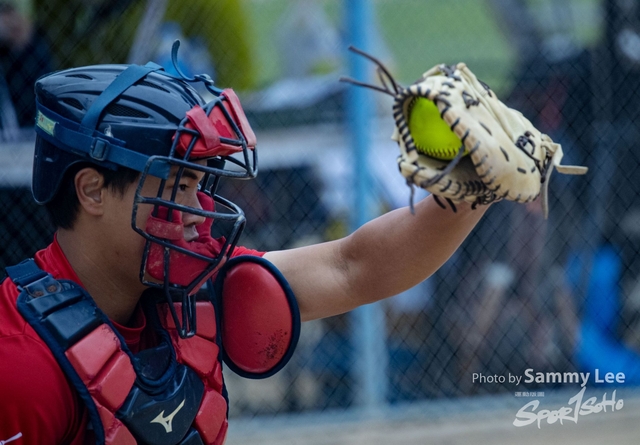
point(239, 250)
point(35, 397)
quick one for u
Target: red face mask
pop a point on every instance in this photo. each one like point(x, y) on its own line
point(217, 131)
point(183, 268)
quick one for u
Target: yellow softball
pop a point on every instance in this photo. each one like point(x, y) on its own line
point(431, 134)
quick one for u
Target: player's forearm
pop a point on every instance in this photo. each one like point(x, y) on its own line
point(384, 257)
point(398, 250)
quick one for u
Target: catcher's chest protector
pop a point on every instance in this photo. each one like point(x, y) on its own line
point(172, 394)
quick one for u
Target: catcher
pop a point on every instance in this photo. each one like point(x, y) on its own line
point(116, 332)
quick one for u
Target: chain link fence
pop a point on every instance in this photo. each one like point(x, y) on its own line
point(522, 296)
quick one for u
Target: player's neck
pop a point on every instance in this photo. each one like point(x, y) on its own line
point(115, 294)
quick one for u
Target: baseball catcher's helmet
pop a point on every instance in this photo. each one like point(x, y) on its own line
point(148, 120)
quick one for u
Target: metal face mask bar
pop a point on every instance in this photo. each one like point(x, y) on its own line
point(214, 132)
point(219, 129)
point(171, 263)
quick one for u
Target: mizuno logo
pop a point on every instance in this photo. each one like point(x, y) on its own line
point(166, 421)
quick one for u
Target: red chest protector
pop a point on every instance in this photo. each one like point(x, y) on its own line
point(174, 393)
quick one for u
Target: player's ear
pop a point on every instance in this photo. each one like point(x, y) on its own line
point(89, 190)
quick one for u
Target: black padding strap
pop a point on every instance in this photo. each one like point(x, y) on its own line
point(122, 83)
point(25, 272)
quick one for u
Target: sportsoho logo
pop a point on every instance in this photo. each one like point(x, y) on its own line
point(577, 406)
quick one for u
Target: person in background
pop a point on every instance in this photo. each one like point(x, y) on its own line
point(24, 56)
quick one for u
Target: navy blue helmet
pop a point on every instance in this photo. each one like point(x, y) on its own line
point(148, 120)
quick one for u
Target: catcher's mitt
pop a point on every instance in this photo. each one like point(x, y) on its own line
point(508, 158)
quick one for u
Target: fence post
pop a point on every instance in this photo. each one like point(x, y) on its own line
point(368, 322)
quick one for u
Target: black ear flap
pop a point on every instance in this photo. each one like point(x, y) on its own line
point(259, 315)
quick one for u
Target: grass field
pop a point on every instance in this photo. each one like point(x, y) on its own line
point(422, 33)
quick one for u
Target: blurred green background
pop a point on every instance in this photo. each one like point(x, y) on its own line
point(423, 33)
